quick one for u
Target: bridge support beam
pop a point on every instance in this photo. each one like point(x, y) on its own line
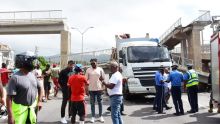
point(194, 46)
point(65, 46)
point(184, 52)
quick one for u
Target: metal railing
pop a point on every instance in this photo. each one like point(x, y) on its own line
point(205, 48)
point(29, 16)
point(181, 61)
point(205, 17)
point(169, 30)
point(103, 56)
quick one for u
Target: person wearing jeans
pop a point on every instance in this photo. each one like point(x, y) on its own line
point(115, 93)
point(93, 75)
point(93, 96)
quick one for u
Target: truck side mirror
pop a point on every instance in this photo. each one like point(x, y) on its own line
point(120, 54)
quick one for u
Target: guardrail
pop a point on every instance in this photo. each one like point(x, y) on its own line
point(169, 30)
point(24, 16)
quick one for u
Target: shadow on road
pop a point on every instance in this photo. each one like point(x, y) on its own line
point(205, 118)
point(139, 100)
point(143, 112)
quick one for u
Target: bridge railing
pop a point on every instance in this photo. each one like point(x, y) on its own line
point(170, 29)
point(205, 17)
point(181, 61)
point(204, 49)
point(27, 16)
point(103, 56)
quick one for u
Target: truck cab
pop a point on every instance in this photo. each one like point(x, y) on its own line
point(139, 60)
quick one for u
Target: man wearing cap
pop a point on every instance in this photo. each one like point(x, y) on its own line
point(115, 92)
point(93, 75)
point(79, 87)
point(176, 79)
point(192, 81)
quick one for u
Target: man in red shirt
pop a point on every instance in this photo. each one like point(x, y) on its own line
point(79, 87)
point(4, 80)
point(4, 74)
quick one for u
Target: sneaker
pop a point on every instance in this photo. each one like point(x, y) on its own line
point(210, 111)
point(92, 120)
point(101, 119)
point(63, 120)
point(109, 108)
point(123, 114)
point(167, 108)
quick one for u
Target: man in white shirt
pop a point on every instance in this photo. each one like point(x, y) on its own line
point(38, 73)
point(115, 92)
point(93, 75)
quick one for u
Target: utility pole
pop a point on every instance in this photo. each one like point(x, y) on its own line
point(36, 50)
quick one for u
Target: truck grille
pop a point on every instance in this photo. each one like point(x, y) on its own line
point(145, 75)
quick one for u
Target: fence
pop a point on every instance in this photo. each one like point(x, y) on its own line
point(103, 56)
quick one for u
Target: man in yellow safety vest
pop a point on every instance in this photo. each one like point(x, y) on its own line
point(192, 81)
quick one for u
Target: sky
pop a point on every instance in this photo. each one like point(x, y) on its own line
point(108, 17)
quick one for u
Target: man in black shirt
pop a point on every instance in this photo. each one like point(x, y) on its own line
point(63, 79)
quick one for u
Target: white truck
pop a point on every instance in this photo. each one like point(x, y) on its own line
point(139, 59)
point(215, 67)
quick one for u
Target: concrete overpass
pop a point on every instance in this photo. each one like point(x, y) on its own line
point(38, 22)
point(189, 38)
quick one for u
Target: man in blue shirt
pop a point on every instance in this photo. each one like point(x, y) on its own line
point(159, 80)
point(176, 79)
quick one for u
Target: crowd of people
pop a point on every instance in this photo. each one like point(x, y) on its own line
point(178, 82)
point(28, 87)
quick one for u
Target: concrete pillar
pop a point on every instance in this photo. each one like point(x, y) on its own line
point(65, 48)
point(194, 47)
point(183, 52)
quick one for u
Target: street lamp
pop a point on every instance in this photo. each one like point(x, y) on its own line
point(82, 34)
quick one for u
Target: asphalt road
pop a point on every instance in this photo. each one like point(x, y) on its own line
point(139, 111)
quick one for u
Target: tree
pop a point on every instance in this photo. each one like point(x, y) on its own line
point(43, 62)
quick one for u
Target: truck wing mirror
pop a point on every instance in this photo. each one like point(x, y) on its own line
point(120, 54)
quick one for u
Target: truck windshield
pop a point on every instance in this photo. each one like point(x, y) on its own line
point(148, 54)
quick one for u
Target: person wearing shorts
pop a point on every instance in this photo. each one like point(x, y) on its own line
point(47, 81)
point(79, 87)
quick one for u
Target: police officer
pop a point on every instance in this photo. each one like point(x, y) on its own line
point(192, 81)
point(159, 80)
point(176, 79)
